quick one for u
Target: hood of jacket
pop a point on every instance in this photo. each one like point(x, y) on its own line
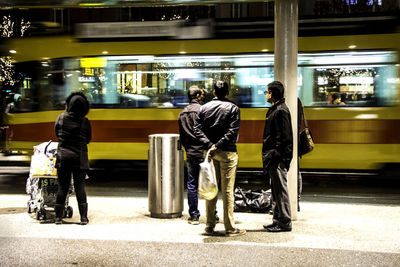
point(77, 105)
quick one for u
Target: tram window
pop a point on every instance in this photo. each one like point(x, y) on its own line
point(149, 81)
point(22, 96)
point(165, 80)
point(324, 80)
point(348, 79)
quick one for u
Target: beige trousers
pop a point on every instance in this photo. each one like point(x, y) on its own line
point(225, 164)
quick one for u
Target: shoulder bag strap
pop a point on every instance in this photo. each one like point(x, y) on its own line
point(304, 119)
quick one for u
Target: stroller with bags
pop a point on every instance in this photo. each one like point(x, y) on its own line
point(42, 184)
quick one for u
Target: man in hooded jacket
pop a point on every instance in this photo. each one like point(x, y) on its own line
point(74, 132)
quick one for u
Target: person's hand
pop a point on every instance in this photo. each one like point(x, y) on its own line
point(213, 148)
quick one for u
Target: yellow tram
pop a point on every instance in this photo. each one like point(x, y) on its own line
point(138, 88)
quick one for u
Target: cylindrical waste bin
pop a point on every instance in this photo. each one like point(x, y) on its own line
point(165, 176)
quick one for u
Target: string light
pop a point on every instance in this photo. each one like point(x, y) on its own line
point(7, 72)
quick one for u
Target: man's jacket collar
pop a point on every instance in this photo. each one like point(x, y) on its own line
point(279, 102)
point(195, 101)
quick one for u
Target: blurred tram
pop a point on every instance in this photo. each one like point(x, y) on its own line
point(138, 88)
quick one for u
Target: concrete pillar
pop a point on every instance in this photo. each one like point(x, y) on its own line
point(285, 71)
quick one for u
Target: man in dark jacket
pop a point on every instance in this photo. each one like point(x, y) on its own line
point(193, 147)
point(74, 132)
point(217, 127)
point(277, 153)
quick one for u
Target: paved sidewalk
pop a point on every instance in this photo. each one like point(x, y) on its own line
point(326, 234)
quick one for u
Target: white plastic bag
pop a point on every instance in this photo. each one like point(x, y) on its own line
point(43, 160)
point(208, 186)
point(42, 165)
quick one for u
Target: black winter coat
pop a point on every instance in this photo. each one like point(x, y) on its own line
point(218, 123)
point(278, 136)
point(74, 132)
point(192, 145)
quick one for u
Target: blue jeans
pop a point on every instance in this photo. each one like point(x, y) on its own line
point(193, 168)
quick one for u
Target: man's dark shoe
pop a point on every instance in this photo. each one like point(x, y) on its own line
point(279, 228)
point(266, 226)
point(194, 220)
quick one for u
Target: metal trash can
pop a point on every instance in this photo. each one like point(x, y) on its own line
point(165, 176)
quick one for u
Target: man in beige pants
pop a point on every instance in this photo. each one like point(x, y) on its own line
point(217, 126)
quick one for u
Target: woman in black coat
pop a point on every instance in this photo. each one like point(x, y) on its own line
point(74, 132)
